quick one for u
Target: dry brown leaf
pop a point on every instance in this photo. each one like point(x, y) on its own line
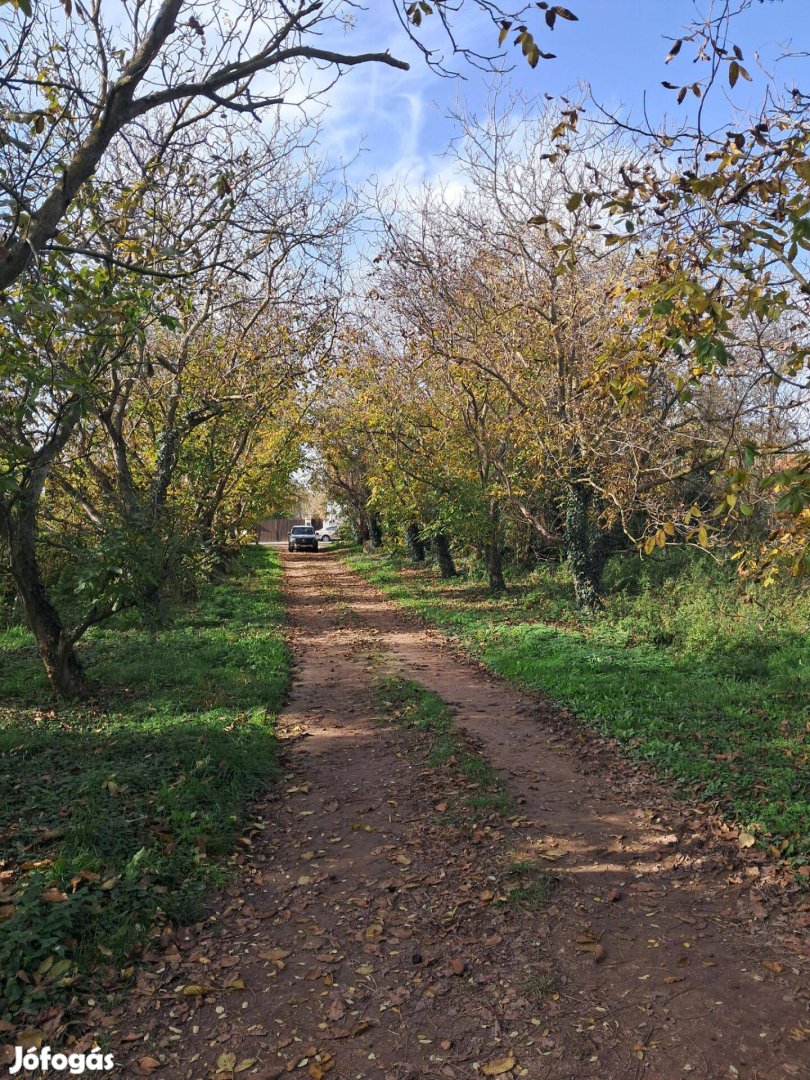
point(54, 896)
point(148, 1064)
point(30, 1037)
point(273, 954)
point(746, 839)
point(336, 1010)
point(499, 1066)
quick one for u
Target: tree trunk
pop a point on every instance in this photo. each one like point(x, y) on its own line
point(585, 554)
point(447, 568)
point(493, 550)
point(55, 648)
point(374, 530)
point(494, 559)
point(414, 543)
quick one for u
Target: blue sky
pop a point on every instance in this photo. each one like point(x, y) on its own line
point(398, 119)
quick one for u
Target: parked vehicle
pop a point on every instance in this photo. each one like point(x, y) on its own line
point(329, 531)
point(302, 538)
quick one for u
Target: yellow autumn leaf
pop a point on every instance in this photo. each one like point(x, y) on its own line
point(499, 1066)
point(746, 839)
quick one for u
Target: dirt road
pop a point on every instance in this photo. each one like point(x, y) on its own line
point(368, 933)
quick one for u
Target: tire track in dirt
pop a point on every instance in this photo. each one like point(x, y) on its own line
point(365, 936)
point(688, 976)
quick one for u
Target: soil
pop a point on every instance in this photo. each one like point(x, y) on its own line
point(371, 933)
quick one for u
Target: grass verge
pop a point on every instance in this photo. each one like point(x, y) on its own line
point(706, 679)
point(406, 702)
point(115, 813)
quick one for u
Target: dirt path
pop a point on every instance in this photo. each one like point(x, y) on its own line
point(367, 937)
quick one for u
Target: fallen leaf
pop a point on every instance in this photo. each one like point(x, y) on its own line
point(746, 839)
point(148, 1064)
point(336, 1010)
point(772, 965)
point(499, 1066)
point(54, 896)
point(30, 1037)
point(273, 954)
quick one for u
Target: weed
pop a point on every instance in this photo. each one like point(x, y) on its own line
point(536, 885)
point(538, 986)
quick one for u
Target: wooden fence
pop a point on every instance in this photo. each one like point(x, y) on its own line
point(276, 530)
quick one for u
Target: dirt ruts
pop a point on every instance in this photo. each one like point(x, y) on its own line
point(369, 933)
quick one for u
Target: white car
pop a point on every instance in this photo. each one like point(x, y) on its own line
point(328, 531)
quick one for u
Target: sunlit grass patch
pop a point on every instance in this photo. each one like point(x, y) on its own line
point(703, 676)
point(117, 812)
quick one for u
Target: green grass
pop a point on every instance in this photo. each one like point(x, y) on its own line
point(406, 702)
point(703, 676)
point(125, 805)
point(533, 888)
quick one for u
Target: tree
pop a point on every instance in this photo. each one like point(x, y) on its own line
point(73, 86)
point(104, 399)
